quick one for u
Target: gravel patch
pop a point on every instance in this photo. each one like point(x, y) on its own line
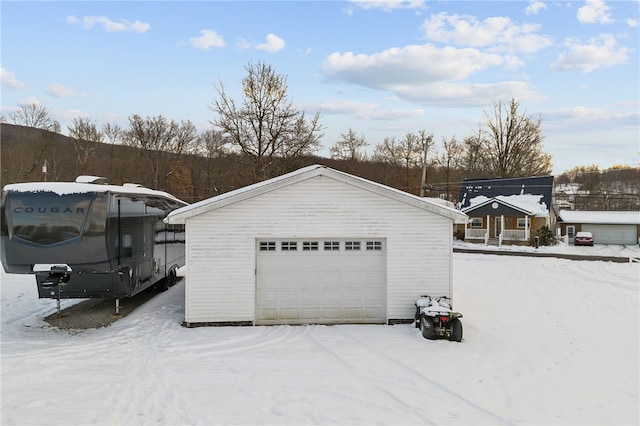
point(97, 313)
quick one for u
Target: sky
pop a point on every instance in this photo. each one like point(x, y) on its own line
point(380, 68)
point(540, 347)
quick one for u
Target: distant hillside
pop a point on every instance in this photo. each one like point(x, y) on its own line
point(25, 150)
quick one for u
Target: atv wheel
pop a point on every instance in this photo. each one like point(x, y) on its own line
point(455, 333)
point(427, 329)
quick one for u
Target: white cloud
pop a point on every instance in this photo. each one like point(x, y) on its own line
point(534, 7)
point(207, 40)
point(599, 52)
point(273, 44)
point(611, 117)
point(498, 33)
point(632, 23)
point(368, 110)
point(478, 94)
point(87, 23)
point(8, 79)
point(425, 73)
point(60, 91)
point(595, 11)
point(389, 5)
point(414, 64)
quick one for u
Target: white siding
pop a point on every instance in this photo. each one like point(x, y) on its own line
point(221, 245)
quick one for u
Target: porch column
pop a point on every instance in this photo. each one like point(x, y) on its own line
point(526, 228)
point(486, 234)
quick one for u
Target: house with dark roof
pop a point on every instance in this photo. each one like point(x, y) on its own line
point(506, 211)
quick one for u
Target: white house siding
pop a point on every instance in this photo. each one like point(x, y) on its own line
point(221, 258)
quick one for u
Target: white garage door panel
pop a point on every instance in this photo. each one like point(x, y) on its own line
point(613, 234)
point(320, 286)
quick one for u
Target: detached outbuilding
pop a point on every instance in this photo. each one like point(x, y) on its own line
point(607, 227)
point(314, 246)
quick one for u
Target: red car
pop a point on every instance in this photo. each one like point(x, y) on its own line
point(583, 239)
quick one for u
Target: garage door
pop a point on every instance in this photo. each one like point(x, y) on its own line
point(321, 281)
point(613, 234)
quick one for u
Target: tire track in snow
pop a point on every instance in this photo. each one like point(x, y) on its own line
point(423, 419)
point(149, 401)
point(426, 389)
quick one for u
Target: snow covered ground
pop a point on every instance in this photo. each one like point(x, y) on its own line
point(546, 342)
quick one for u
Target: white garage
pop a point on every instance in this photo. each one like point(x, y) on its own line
point(607, 227)
point(314, 246)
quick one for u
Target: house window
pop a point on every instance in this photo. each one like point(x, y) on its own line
point(331, 245)
point(352, 245)
point(476, 222)
point(289, 246)
point(267, 246)
point(310, 246)
point(523, 222)
point(374, 245)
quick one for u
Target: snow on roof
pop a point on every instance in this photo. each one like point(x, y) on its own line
point(64, 188)
point(537, 185)
point(601, 217)
point(527, 203)
point(180, 215)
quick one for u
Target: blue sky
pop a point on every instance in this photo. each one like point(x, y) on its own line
point(381, 68)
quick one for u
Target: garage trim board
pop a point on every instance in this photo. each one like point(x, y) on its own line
point(321, 281)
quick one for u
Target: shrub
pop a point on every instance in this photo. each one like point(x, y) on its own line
point(545, 235)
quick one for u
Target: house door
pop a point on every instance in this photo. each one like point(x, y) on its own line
point(498, 227)
point(571, 231)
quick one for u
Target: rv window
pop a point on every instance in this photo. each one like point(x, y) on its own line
point(47, 218)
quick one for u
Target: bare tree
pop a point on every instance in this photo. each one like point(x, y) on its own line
point(37, 116)
point(349, 147)
point(84, 131)
point(212, 145)
point(112, 133)
point(450, 160)
point(512, 143)
point(265, 124)
point(158, 139)
point(35, 153)
point(472, 163)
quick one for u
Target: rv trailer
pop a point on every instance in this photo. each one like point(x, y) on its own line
point(89, 239)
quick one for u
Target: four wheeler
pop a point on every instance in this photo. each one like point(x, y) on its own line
point(436, 320)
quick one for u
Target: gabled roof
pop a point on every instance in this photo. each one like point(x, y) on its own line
point(492, 188)
point(601, 217)
point(528, 204)
point(300, 175)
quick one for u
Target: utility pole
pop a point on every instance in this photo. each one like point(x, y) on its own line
point(423, 182)
point(427, 142)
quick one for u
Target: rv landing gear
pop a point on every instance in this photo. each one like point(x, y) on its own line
point(59, 276)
